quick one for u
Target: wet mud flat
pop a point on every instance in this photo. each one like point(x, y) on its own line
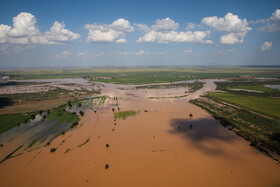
point(161, 145)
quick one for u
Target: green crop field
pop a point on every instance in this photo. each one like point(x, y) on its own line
point(264, 105)
point(124, 114)
point(256, 88)
point(61, 115)
point(142, 75)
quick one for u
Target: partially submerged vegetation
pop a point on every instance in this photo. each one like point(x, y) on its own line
point(102, 100)
point(124, 114)
point(61, 115)
point(243, 87)
point(9, 121)
point(193, 86)
point(70, 149)
point(53, 123)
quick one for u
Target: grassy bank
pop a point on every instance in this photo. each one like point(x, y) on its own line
point(194, 86)
point(264, 105)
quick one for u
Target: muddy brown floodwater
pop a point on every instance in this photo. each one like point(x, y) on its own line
point(163, 146)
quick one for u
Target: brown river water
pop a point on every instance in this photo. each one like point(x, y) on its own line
point(148, 149)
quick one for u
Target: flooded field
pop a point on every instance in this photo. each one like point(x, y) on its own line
point(161, 144)
point(274, 86)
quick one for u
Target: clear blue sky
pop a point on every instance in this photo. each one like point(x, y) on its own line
point(108, 33)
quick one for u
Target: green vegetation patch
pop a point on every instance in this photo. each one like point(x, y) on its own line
point(194, 86)
point(102, 100)
point(37, 96)
point(9, 121)
point(124, 114)
point(61, 115)
point(142, 75)
point(255, 87)
point(264, 105)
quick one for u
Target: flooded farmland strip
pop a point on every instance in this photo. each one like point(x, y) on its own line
point(159, 145)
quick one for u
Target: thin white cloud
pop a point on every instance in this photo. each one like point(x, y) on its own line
point(141, 52)
point(20, 49)
point(25, 31)
point(109, 33)
point(63, 55)
point(271, 24)
point(188, 51)
point(3, 47)
point(81, 55)
point(191, 26)
point(165, 25)
point(121, 40)
point(235, 28)
point(98, 55)
point(158, 53)
point(142, 27)
point(223, 52)
point(124, 53)
point(266, 46)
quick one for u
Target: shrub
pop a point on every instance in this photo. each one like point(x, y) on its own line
point(74, 124)
point(53, 150)
point(32, 116)
point(253, 144)
point(106, 166)
point(82, 113)
point(107, 145)
point(275, 136)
